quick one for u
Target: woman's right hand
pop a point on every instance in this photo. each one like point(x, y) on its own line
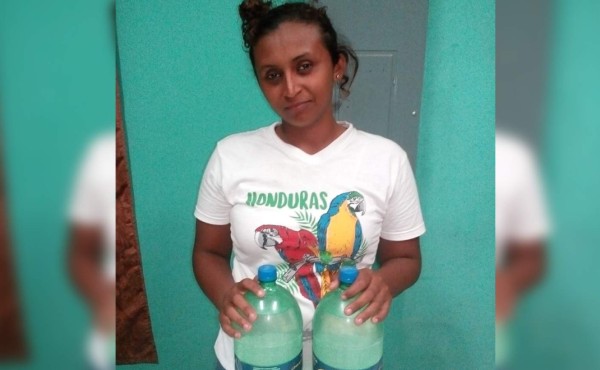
point(235, 309)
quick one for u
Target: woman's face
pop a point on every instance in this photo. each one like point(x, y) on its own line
point(296, 74)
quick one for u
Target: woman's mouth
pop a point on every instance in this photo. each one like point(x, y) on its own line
point(296, 107)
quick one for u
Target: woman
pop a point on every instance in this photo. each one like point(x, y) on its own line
point(306, 193)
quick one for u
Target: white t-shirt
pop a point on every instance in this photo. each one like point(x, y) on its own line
point(290, 208)
point(93, 201)
point(94, 204)
point(521, 213)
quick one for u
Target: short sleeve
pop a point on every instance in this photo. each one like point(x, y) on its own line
point(403, 219)
point(212, 206)
point(529, 216)
point(89, 201)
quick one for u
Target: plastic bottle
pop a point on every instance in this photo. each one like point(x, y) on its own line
point(275, 340)
point(338, 343)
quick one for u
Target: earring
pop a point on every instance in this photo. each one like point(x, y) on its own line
point(337, 76)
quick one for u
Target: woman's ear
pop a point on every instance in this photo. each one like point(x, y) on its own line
point(340, 67)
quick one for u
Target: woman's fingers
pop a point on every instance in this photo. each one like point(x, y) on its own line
point(241, 305)
point(236, 313)
point(373, 297)
point(251, 285)
point(383, 311)
point(227, 327)
point(237, 318)
point(376, 310)
point(365, 298)
point(360, 284)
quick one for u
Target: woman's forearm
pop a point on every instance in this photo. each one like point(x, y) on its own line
point(213, 274)
point(400, 273)
point(400, 264)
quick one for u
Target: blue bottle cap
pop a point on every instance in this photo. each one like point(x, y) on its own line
point(348, 274)
point(267, 273)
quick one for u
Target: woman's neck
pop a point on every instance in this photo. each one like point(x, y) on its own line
point(311, 139)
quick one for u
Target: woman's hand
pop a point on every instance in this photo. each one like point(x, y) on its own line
point(506, 296)
point(399, 268)
point(373, 293)
point(234, 311)
point(104, 310)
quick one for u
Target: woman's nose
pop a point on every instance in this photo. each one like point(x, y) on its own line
point(291, 86)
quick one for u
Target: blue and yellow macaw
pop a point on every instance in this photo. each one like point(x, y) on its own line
point(339, 234)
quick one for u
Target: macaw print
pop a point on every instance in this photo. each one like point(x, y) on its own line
point(338, 239)
point(296, 248)
point(339, 234)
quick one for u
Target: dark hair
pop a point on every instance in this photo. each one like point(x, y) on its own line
point(259, 18)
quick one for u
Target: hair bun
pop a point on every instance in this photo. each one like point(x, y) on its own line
point(251, 12)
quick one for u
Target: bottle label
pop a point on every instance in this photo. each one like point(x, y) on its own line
point(318, 365)
point(295, 364)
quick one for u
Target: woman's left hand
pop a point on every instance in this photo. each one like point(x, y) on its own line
point(373, 293)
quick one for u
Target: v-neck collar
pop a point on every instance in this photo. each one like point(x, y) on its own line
point(319, 156)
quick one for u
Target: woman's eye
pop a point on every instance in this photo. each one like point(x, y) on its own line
point(304, 67)
point(271, 76)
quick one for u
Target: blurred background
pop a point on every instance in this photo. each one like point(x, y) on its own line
point(187, 82)
point(57, 84)
point(547, 101)
point(57, 94)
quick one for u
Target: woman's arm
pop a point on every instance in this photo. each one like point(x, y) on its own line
point(524, 267)
point(211, 263)
point(400, 267)
point(85, 267)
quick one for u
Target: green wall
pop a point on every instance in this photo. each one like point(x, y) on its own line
point(57, 76)
point(450, 313)
point(559, 326)
point(187, 83)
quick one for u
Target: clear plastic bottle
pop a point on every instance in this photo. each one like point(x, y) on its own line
point(340, 344)
point(275, 340)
